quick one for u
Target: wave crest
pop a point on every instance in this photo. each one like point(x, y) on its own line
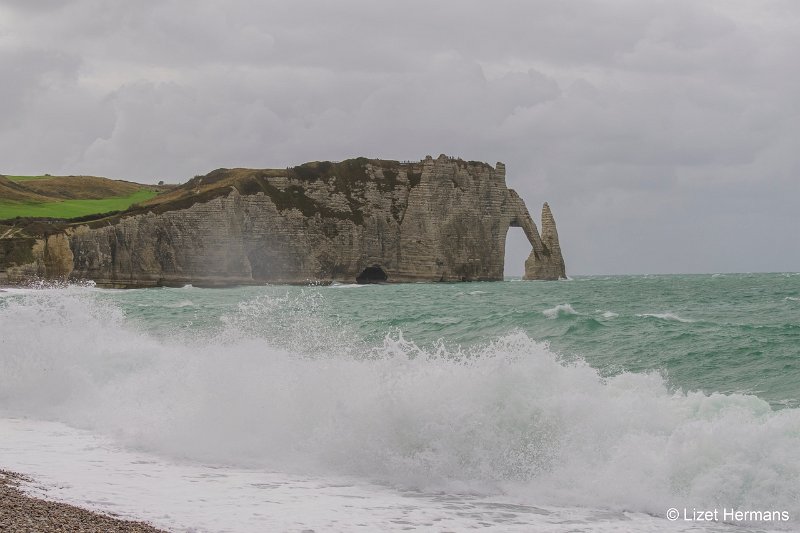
point(561, 310)
point(666, 316)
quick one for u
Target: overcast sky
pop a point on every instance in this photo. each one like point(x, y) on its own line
point(664, 134)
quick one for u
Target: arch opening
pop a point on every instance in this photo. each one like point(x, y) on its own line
point(517, 249)
point(372, 274)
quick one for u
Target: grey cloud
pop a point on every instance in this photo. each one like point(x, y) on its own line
point(28, 73)
point(652, 128)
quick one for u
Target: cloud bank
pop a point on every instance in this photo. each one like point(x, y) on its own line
point(664, 134)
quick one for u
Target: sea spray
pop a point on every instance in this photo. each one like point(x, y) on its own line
point(276, 386)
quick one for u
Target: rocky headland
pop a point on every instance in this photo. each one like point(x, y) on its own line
point(364, 220)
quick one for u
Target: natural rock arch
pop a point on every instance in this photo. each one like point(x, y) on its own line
point(545, 260)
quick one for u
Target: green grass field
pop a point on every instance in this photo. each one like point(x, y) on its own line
point(69, 208)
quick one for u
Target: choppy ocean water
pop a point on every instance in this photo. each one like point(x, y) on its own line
point(595, 404)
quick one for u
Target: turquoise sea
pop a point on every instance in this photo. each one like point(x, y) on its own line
point(600, 400)
point(726, 333)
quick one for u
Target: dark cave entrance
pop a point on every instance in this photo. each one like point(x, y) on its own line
point(373, 274)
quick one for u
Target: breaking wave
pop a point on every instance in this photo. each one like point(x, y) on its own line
point(560, 311)
point(666, 316)
point(179, 305)
point(608, 314)
point(508, 416)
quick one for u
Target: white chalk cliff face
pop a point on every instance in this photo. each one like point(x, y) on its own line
point(546, 261)
point(362, 220)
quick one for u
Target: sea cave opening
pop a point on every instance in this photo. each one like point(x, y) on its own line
point(372, 274)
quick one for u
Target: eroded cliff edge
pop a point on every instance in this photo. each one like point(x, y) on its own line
point(440, 219)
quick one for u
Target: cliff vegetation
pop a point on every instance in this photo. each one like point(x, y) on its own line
point(67, 197)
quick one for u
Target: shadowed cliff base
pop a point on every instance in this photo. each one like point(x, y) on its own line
point(442, 219)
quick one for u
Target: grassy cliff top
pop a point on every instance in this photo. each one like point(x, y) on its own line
point(54, 188)
point(66, 197)
point(344, 177)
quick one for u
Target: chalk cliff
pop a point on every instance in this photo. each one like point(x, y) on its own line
point(440, 219)
point(546, 262)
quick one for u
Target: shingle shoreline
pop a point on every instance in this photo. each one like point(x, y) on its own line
point(25, 514)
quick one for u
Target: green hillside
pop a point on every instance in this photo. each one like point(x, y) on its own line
point(72, 208)
point(68, 196)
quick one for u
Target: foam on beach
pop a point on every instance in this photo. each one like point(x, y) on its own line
point(504, 417)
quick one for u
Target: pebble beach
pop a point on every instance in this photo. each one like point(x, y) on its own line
point(22, 513)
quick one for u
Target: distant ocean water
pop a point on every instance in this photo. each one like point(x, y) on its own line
point(594, 404)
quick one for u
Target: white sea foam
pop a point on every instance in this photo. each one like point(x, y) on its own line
point(609, 314)
point(191, 497)
point(792, 299)
point(559, 310)
point(470, 293)
point(180, 304)
point(337, 285)
point(507, 417)
point(665, 316)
